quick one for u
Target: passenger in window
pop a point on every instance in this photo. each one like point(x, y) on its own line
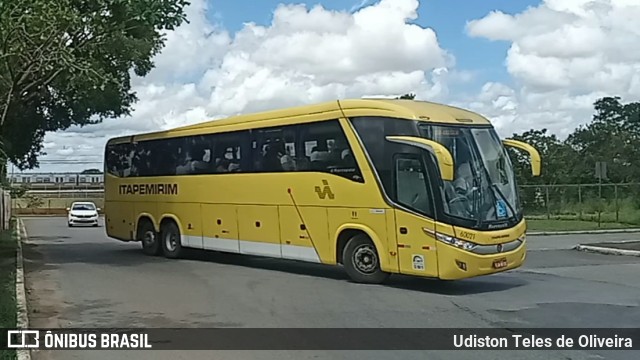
point(197, 164)
point(265, 147)
point(234, 167)
point(191, 165)
point(222, 166)
point(335, 151)
point(143, 164)
point(347, 159)
point(319, 158)
point(128, 170)
point(271, 160)
point(184, 164)
point(229, 154)
point(286, 160)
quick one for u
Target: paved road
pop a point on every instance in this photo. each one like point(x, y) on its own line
point(78, 277)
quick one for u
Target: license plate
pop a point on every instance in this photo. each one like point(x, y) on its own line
point(500, 263)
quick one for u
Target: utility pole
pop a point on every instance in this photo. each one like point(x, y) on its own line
point(601, 173)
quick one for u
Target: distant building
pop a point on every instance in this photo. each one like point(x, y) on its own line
point(65, 179)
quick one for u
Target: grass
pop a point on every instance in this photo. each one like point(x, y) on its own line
point(623, 211)
point(7, 286)
point(570, 216)
point(572, 225)
point(59, 203)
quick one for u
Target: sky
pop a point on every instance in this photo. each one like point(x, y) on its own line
point(521, 63)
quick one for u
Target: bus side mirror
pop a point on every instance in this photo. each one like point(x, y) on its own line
point(442, 154)
point(533, 153)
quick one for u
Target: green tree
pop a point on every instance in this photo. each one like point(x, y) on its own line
point(17, 191)
point(613, 136)
point(410, 96)
point(557, 158)
point(69, 62)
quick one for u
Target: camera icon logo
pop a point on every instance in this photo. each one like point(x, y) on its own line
point(23, 339)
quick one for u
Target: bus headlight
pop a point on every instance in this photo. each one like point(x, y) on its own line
point(450, 240)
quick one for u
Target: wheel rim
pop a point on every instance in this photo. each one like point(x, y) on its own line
point(171, 241)
point(365, 259)
point(149, 238)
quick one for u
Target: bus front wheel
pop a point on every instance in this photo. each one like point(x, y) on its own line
point(362, 262)
point(149, 238)
point(171, 245)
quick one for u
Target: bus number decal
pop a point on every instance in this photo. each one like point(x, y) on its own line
point(467, 235)
point(149, 189)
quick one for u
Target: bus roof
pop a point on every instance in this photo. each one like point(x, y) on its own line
point(400, 108)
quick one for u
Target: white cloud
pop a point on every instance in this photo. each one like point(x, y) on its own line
point(564, 55)
point(496, 101)
point(304, 55)
point(191, 47)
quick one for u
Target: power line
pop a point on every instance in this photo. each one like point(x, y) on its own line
point(70, 162)
point(84, 155)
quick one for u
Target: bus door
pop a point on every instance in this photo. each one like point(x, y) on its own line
point(414, 219)
point(415, 246)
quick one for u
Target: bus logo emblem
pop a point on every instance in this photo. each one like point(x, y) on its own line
point(325, 191)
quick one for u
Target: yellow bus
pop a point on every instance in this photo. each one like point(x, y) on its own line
point(375, 185)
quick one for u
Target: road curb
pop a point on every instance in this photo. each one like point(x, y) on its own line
point(583, 232)
point(22, 315)
point(607, 250)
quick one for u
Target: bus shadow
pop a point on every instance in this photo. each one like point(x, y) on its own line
point(487, 284)
point(57, 251)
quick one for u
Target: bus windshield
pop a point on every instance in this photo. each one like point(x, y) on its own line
point(483, 188)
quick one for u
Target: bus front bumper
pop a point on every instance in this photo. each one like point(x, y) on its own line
point(455, 263)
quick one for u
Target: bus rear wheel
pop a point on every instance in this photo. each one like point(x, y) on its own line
point(362, 262)
point(171, 244)
point(149, 238)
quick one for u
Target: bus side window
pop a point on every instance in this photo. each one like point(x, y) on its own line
point(304, 162)
point(328, 150)
point(274, 149)
point(411, 184)
point(118, 159)
point(166, 156)
point(228, 154)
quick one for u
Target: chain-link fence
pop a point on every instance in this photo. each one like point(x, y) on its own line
point(606, 203)
point(610, 203)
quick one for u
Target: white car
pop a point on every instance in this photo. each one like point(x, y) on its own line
point(83, 213)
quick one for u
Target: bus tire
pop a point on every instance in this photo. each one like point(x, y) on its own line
point(171, 245)
point(149, 238)
point(362, 262)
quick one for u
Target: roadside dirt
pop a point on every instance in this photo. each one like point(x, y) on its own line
point(44, 301)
